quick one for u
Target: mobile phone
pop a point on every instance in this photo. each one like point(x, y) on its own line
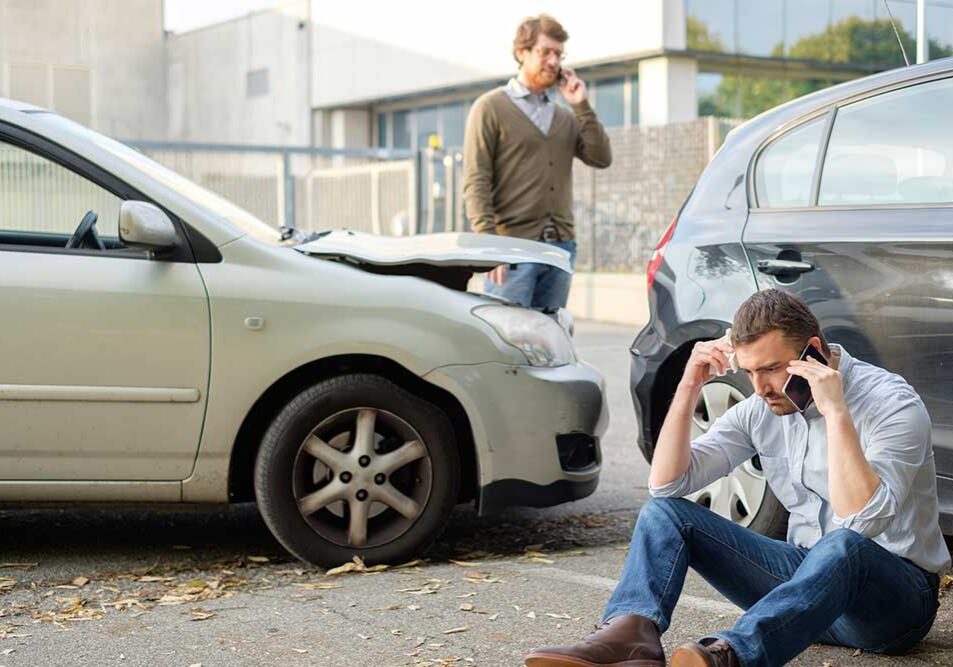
point(560, 76)
point(797, 389)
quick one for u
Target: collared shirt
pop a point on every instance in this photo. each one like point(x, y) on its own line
point(895, 433)
point(538, 107)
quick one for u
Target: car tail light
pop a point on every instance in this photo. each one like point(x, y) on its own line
point(656, 259)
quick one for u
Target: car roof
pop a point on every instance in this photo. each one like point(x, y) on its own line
point(774, 118)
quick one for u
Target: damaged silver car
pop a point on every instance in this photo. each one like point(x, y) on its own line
point(164, 346)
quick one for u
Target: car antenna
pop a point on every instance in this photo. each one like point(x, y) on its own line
point(897, 33)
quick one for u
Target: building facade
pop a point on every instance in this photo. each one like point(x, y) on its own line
point(99, 62)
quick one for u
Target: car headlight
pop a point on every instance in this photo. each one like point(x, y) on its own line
point(537, 336)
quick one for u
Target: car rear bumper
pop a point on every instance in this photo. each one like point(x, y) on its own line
point(536, 430)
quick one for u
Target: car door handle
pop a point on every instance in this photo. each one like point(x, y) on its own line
point(777, 267)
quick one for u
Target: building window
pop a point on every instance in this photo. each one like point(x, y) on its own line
point(382, 130)
point(401, 121)
point(610, 101)
point(844, 31)
point(453, 120)
point(256, 83)
point(735, 96)
point(426, 125)
point(634, 102)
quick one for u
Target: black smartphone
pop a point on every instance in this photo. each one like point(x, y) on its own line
point(560, 76)
point(797, 389)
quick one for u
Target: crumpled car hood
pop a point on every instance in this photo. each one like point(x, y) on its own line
point(447, 258)
point(480, 252)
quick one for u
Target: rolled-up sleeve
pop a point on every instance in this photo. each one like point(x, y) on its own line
point(896, 448)
point(714, 454)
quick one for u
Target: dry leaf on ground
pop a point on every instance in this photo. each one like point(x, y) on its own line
point(80, 581)
point(461, 563)
point(453, 631)
point(318, 586)
point(356, 565)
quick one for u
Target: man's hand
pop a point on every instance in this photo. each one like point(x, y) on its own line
point(827, 388)
point(498, 275)
point(572, 88)
point(707, 356)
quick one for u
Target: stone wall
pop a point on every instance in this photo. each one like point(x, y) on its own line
point(622, 211)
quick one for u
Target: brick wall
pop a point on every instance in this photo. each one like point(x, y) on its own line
point(621, 211)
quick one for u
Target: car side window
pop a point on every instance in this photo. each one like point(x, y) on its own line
point(785, 169)
point(42, 202)
point(894, 148)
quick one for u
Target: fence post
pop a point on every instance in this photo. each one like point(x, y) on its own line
point(289, 189)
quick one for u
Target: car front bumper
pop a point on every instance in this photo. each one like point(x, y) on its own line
point(536, 430)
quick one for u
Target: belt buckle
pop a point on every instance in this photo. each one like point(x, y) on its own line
point(550, 233)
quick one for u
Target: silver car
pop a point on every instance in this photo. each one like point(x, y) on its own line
point(161, 345)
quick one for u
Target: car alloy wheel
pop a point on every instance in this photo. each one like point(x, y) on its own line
point(362, 477)
point(357, 465)
point(740, 495)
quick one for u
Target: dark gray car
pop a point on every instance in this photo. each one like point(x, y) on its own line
point(844, 197)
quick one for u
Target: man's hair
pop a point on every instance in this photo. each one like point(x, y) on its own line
point(776, 310)
point(530, 29)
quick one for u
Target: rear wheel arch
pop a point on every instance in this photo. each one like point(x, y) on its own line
point(248, 441)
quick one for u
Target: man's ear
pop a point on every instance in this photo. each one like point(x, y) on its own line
point(816, 342)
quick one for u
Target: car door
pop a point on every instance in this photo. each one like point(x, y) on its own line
point(105, 352)
point(864, 233)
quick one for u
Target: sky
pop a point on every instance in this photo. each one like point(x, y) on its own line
point(479, 34)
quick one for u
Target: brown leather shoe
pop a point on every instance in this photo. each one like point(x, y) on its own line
point(624, 641)
point(708, 652)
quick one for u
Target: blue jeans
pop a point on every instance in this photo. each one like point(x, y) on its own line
point(846, 590)
point(536, 285)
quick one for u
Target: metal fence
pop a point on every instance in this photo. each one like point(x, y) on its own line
point(304, 188)
point(620, 211)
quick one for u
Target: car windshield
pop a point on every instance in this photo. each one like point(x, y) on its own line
point(218, 205)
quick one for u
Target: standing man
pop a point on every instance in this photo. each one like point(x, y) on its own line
point(856, 472)
point(517, 161)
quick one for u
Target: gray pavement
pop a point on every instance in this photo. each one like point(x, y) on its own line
point(124, 587)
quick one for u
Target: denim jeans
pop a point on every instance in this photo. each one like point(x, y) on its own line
point(536, 285)
point(846, 590)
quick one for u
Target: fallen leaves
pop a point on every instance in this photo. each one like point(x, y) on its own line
point(946, 582)
point(7, 583)
point(71, 610)
point(318, 586)
point(453, 631)
point(482, 578)
point(356, 566)
point(79, 582)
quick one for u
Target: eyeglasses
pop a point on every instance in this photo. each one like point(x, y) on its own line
point(544, 52)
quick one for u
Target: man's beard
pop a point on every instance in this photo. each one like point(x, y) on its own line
point(542, 78)
point(781, 408)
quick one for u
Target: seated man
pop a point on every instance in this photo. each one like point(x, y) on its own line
point(856, 471)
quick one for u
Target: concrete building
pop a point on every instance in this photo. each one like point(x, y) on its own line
point(242, 81)
point(99, 62)
point(664, 61)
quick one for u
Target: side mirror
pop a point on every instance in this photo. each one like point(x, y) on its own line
point(146, 225)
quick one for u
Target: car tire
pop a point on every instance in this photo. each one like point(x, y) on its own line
point(759, 510)
point(352, 450)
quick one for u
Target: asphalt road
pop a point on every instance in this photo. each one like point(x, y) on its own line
point(111, 587)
